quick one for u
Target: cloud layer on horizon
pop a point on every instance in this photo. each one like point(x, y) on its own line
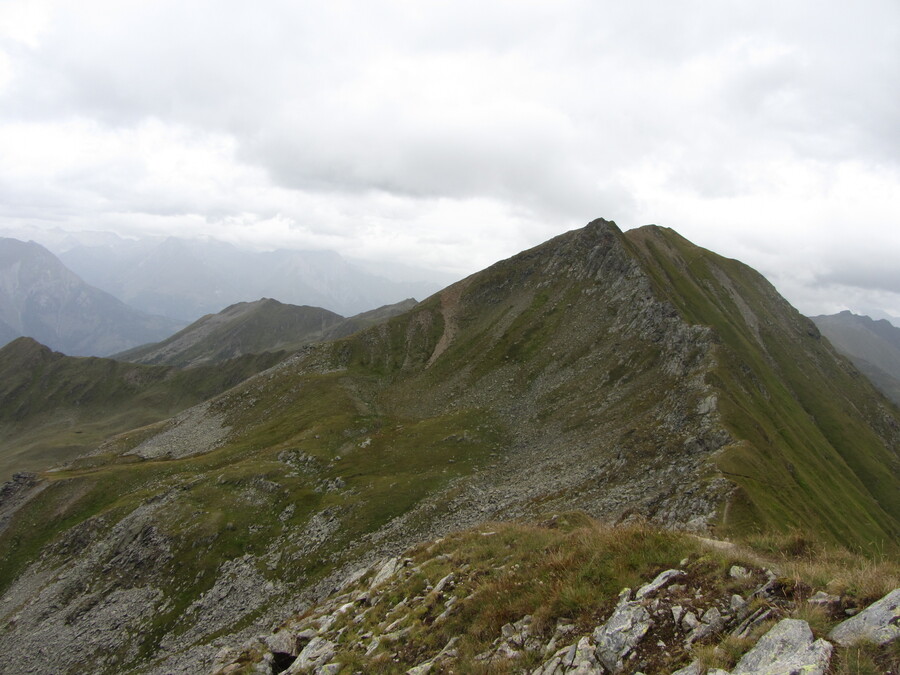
point(454, 134)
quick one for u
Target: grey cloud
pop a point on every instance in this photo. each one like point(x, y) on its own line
point(875, 275)
point(552, 112)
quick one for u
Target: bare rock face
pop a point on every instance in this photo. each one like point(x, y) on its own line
point(618, 636)
point(878, 623)
point(315, 655)
point(787, 648)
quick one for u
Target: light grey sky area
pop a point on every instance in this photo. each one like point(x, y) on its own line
point(449, 135)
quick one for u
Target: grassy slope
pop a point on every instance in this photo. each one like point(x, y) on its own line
point(55, 407)
point(810, 458)
point(569, 569)
point(261, 490)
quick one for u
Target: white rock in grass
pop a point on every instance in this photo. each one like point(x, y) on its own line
point(878, 623)
point(788, 647)
point(620, 634)
point(318, 652)
point(661, 580)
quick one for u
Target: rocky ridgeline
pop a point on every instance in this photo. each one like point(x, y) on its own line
point(371, 623)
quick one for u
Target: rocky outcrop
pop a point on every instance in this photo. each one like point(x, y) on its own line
point(879, 623)
point(374, 618)
point(15, 492)
point(789, 647)
point(194, 431)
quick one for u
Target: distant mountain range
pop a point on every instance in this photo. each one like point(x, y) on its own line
point(41, 298)
point(186, 279)
point(873, 346)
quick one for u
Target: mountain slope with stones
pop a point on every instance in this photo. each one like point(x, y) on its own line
point(631, 376)
point(410, 614)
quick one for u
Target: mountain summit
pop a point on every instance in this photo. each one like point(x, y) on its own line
point(634, 376)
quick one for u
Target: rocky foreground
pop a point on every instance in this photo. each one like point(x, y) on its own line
point(689, 620)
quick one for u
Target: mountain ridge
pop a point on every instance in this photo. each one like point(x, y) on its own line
point(632, 376)
point(54, 407)
point(253, 327)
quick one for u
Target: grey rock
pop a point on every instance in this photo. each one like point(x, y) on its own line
point(689, 621)
point(878, 623)
point(317, 653)
point(444, 583)
point(621, 633)
point(738, 572)
point(284, 641)
point(385, 570)
point(711, 623)
point(693, 669)
point(823, 598)
point(661, 580)
point(577, 659)
point(787, 648)
point(424, 668)
point(747, 625)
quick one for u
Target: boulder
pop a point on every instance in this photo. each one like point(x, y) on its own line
point(878, 623)
point(318, 652)
point(385, 570)
point(693, 669)
point(661, 580)
point(578, 659)
point(788, 647)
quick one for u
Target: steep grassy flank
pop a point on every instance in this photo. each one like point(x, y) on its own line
point(820, 445)
point(54, 407)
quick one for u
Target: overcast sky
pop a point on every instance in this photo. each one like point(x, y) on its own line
point(453, 134)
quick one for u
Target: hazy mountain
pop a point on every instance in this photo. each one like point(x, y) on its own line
point(255, 327)
point(187, 279)
point(373, 317)
point(243, 328)
point(633, 376)
point(41, 298)
point(873, 346)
